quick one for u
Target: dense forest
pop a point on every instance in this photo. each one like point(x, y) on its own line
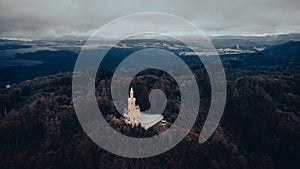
point(260, 127)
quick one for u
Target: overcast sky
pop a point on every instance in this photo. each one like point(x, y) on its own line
point(55, 18)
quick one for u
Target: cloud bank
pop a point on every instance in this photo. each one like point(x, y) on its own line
point(80, 18)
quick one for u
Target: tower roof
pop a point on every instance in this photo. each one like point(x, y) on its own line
point(131, 92)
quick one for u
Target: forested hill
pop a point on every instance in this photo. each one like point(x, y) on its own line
point(260, 127)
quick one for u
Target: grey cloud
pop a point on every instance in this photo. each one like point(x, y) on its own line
point(36, 19)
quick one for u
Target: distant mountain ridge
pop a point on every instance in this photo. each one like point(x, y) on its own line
point(282, 55)
point(291, 49)
point(253, 41)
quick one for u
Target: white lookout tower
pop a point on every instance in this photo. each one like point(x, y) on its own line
point(133, 113)
point(134, 116)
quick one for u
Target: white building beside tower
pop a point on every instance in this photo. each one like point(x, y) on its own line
point(134, 116)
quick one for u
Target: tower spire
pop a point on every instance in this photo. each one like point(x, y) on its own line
point(131, 92)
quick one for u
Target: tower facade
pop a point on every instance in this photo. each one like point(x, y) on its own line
point(132, 114)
